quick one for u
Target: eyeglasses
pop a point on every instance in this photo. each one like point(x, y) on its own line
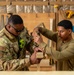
point(16, 29)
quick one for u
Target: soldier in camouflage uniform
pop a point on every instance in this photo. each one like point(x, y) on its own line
point(12, 56)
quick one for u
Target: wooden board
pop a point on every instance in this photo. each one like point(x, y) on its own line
point(43, 66)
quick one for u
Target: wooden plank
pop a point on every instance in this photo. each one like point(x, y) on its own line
point(38, 3)
point(62, 3)
point(2, 3)
point(43, 66)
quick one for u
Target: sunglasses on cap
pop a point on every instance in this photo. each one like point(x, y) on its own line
point(17, 29)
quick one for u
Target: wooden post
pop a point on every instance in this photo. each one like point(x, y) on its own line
point(6, 19)
point(2, 22)
point(51, 28)
point(50, 42)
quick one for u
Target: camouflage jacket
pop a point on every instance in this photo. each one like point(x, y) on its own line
point(26, 41)
point(9, 53)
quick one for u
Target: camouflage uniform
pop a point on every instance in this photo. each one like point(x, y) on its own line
point(9, 49)
point(26, 41)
